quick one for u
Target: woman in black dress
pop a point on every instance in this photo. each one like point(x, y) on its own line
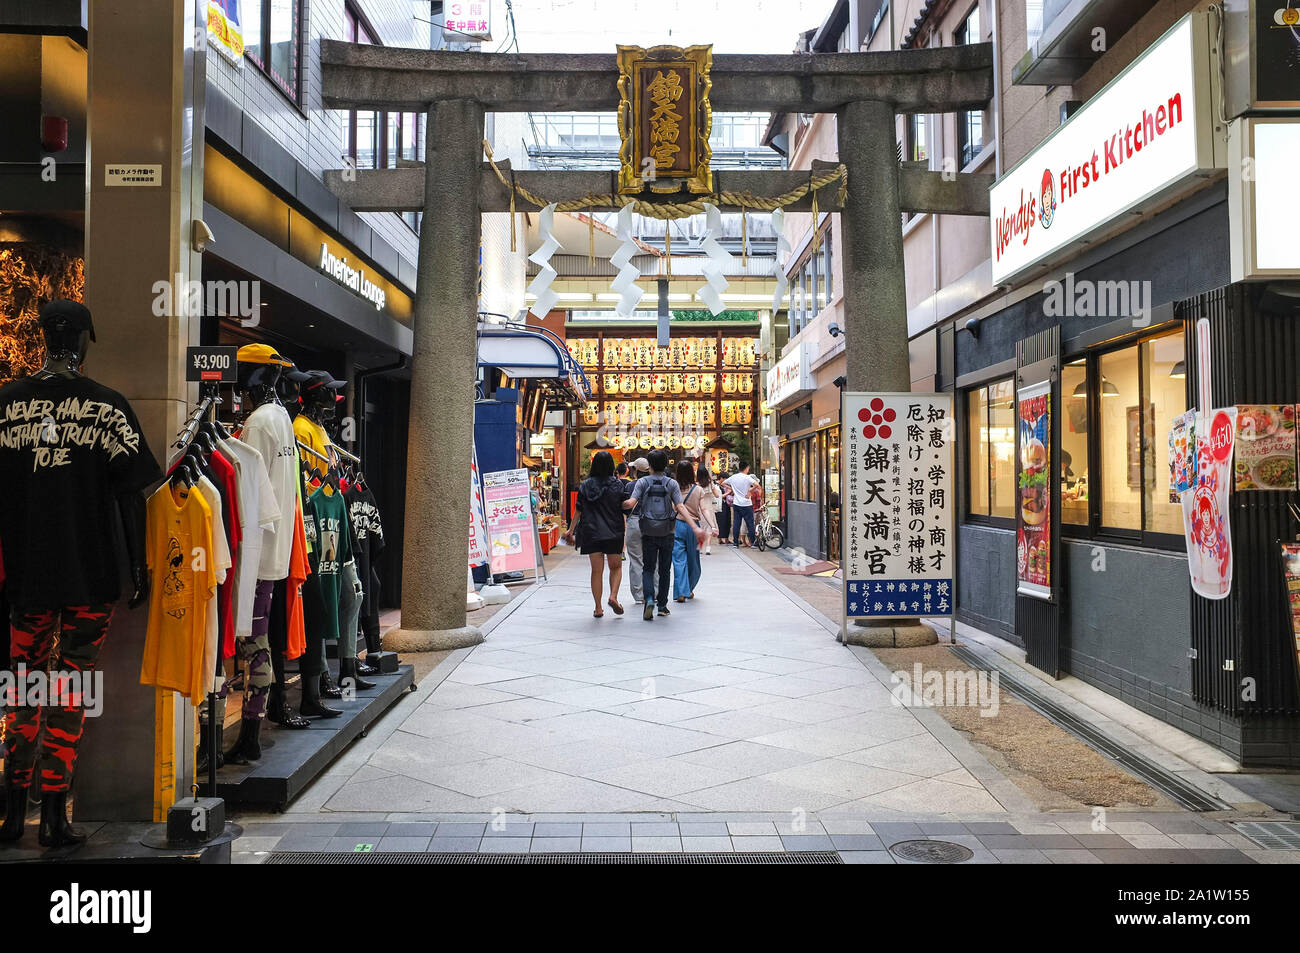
point(598, 526)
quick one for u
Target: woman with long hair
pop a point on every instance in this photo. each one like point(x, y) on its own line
point(686, 548)
point(712, 504)
point(598, 526)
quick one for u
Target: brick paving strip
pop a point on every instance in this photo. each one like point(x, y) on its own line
point(738, 723)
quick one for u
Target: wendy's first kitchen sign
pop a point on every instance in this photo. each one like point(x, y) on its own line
point(1136, 141)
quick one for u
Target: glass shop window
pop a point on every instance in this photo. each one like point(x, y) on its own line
point(1074, 443)
point(991, 444)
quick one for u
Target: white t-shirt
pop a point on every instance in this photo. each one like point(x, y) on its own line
point(258, 512)
point(740, 484)
point(269, 431)
point(221, 562)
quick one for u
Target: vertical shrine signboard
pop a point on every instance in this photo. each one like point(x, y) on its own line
point(898, 505)
point(665, 119)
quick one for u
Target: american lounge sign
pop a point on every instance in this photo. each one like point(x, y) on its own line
point(353, 278)
point(1136, 142)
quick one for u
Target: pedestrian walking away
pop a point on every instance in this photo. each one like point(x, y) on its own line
point(598, 526)
point(689, 535)
point(660, 497)
point(632, 540)
point(711, 506)
point(742, 486)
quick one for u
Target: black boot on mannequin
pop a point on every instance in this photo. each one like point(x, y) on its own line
point(278, 710)
point(365, 668)
point(55, 831)
point(348, 670)
point(205, 732)
point(249, 746)
point(311, 705)
point(15, 813)
point(328, 687)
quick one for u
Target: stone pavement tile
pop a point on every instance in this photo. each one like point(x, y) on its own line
point(751, 828)
point(813, 739)
point(1151, 841)
point(655, 829)
point(1123, 827)
point(747, 756)
point(775, 665)
point(555, 845)
point(1201, 841)
point(1001, 827)
point(607, 829)
point(737, 725)
point(666, 777)
point(943, 827)
point(839, 824)
point(891, 834)
point(934, 795)
point(460, 829)
point(718, 676)
point(546, 829)
point(496, 738)
point(296, 842)
point(532, 686)
point(1272, 856)
point(1053, 841)
point(922, 756)
point(414, 845)
point(804, 711)
point(491, 776)
point(702, 829)
point(373, 829)
point(1128, 855)
point(1239, 841)
point(468, 673)
point(1229, 856)
point(760, 794)
point(752, 844)
point(729, 697)
point(411, 829)
point(662, 711)
point(1092, 840)
point(265, 828)
point(656, 845)
point(662, 741)
point(567, 795)
point(843, 842)
point(1020, 856)
point(579, 758)
point(1176, 824)
point(349, 845)
point(707, 844)
point(524, 710)
point(611, 844)
point(504, 845)
point(1058, 856)
point(867, 857)
point(510, 829)
point(453, 845)
point(786, 686)
point(661, 685)
point(593, 696)
point(267, 843)
point(1005, 841)
point(963, 777)
point(458, 695)
point(846, 779)
point(807, 842)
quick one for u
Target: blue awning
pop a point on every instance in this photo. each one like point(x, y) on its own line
point(523, 352)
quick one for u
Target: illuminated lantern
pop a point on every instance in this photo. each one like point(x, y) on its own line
point(709, 419)
point(611, 352)
point(643, 383)
point(675, 384)
point(660, 356)
point(692, 383)
point(746, 382)
point(661, 383)
point(710, 356)
point(728, 413)
point(708, 383)
point(746, 414)
point(729, 352)
point(728, 383)
point(675, 352)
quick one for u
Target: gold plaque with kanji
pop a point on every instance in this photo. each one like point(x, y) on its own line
point(664, 119)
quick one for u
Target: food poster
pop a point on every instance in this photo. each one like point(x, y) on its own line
point(1265, 447)
point(508, 506)
point(1291, 572)
point(1034, 536)
point(1182, 455)
point(1205, 508)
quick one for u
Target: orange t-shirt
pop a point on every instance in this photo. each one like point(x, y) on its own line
point(299, 570)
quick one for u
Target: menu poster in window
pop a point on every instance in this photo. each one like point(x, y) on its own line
point(1205, 508)
point(1265, 447)
point(1291, 573)
point(508, 505)
point(898, 505)
point(1182, 455)
point(1034, 535)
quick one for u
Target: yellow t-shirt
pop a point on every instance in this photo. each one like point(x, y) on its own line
point(183, 569)
point(313, 436)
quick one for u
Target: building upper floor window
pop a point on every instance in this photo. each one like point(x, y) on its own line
point(969, 30)
point(273, 41)
point(970, 125)
point(917, 140)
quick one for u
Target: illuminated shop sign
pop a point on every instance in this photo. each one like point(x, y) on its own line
point(352, 278)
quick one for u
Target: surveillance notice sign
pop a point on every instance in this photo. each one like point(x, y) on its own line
point(898, 505)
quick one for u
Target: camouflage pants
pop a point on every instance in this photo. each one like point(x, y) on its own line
point(255, 650)
point(81, 631)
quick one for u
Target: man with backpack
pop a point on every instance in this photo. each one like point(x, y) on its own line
point(661, 506)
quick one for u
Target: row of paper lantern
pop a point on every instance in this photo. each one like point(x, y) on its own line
point(658, 441)
point(629, 384)
point(644, 352)
point(654, 414)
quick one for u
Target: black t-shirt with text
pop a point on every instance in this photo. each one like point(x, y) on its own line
point(68, 449)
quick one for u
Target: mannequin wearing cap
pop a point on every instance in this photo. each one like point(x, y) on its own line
point(72, 458)
point(312, 425)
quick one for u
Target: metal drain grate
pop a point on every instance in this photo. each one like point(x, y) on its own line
point(371, 857)
point(1176, 788)
point(1271, 835)
point(932, 851)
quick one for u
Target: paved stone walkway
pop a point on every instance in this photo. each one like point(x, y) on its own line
point(738, 723)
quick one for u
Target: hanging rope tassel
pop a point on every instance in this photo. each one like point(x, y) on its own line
point(744, 238)
point(816, 242)
point(668, 248)
point(512, 211)
point(591, 238)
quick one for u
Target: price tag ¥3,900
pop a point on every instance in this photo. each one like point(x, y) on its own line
point(211, 364)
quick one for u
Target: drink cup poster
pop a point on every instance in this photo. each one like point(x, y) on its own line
point(1034, 533)
point(898, 505)
point(1205, 506)
point(509, 510)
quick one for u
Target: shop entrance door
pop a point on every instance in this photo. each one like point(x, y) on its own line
point(1038, 519)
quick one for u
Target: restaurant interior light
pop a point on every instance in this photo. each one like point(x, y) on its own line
point(1179, 371)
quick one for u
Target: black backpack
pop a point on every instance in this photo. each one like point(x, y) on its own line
point(658, 515)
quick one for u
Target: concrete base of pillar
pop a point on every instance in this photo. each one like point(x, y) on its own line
point(432, 640)
point(896, 634)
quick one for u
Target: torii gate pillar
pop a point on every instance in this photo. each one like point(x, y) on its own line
point(443, 369)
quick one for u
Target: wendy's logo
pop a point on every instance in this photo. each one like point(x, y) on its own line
point(1047, 203)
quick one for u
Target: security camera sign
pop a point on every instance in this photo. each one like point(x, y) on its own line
point(132, 174)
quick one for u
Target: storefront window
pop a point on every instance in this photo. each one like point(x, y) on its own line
point(990, 414)
point(1164, 373)
point(1121, 440)
point(803, 470)
point(1074, 443)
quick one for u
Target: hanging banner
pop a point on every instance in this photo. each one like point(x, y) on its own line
point(1265, 447)
point(1205, 507)
point(1291, 573)
point(1034, 532)
point(225, 31)
point(665, 119)
point(508, 507)
point(1182, 455)
point(898, 546)
point(478, 537)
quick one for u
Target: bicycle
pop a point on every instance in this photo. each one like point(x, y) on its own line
point(766, 532)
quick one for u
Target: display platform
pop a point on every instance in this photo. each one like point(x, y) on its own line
point(115, 843)
point(297, 756)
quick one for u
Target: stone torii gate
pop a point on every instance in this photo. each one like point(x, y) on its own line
point(865, 90)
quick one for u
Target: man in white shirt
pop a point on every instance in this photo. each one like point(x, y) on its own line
point(742, 507)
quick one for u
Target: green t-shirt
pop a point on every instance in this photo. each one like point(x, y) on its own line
point(325, 521)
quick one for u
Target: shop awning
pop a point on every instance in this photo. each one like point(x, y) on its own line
point(523, 352)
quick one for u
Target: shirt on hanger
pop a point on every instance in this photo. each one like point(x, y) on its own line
point(313, 436)
point(68, 449)
point(221, 556)
point(260, 515)
point(179, 539)
point(325, 521)
point(368, 539)
point(269, 431)
point(299, 570)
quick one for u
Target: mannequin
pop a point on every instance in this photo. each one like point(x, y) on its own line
point(71, 452)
